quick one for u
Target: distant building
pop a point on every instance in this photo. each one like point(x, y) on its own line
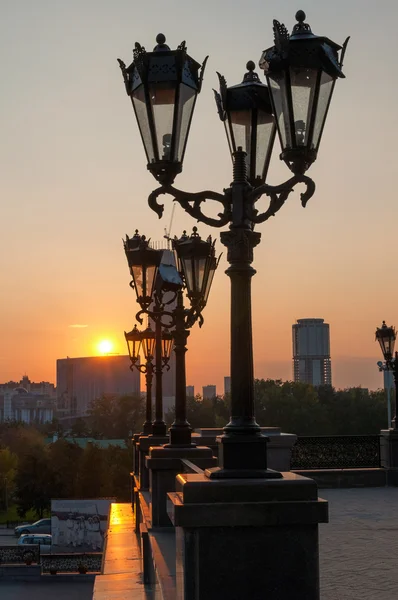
point(227, 385)
point(190, 391)
point(209, 392)
point(43, 387)
point(82, 380)
point(311, 352)
point(28, 407)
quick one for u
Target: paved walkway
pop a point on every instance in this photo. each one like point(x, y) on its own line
point(359, 546)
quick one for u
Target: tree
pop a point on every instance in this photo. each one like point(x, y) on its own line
point(8, 470)
point(112, 417)
point(34, 481)
point(91, 481)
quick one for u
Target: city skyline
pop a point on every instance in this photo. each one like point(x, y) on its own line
point(74, 182)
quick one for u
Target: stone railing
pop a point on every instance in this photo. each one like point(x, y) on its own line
point(18, 554)
point(336, 452)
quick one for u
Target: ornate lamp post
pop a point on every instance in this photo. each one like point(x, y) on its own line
point(196, 266)
point(301, 70)
point(386, 337)
point(146, 339)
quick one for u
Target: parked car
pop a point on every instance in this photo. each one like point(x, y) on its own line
point(42, 540)
point(40, 527)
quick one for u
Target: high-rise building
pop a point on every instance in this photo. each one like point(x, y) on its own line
point(227, 385)
point(82, 380)
point(190, 391)
point(311, 352)
point(209, 392)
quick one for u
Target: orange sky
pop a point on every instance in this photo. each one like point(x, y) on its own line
point(74, 182)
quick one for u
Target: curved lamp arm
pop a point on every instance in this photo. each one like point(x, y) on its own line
point(191, 202)
point(278, 195)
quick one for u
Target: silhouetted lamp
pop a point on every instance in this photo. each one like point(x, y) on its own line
point(163, 86)
point(386, 337)
point(133, 339)
point(167, 346)
point(301, 71)
point(143, 262)
point(249, 123)
point(148, 343)
point(196, 260)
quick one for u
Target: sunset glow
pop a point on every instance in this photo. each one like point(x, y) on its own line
point(105, 347)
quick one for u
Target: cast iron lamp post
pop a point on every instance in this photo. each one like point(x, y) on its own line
point(301, 70)
point(386, 337)
point(146, 339)
point(196, 264)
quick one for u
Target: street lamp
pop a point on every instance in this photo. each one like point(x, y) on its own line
point(196, 263)
point(301, 70)
point(386, 337)
point(146, 340)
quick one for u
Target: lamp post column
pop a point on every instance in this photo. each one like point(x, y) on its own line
point(180, 431)
point(147, 428)
point(158, 426)
point(395, 373)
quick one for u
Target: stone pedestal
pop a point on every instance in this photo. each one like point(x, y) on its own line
point(164, 464)
point(279, 446)
point(144, 443)
point(389, 454)
point(247, 539)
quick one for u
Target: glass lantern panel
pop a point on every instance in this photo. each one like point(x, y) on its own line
point(138, 279)
point(325, 93)
point(303, 85)
point(162, 97)
point(265, 139)
point(277, 88)
point(241, 125)
point(134, 348)
point(229, 138)
point(209, 281)
point(185, 110)
point(167, 345)
point(188, 272)
point(200, 269)
point(138, 97)
point(151, 272)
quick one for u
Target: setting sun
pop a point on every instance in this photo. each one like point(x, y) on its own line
point(105, 347)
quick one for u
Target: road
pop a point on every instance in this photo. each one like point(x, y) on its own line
point(47, 590)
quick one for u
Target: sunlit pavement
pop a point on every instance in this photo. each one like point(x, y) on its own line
point(359, 546)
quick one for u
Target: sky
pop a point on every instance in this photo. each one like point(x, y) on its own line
point(74, 181)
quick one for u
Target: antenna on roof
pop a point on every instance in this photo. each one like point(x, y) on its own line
point(167, 233)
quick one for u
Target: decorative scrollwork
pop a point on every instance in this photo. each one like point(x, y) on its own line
point(191, 203)
point(201, 73)
point(281, 37)
point(156, 316)
point(278, 195)
point(336, 452)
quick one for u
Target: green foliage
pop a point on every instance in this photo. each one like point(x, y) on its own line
point(113, 417)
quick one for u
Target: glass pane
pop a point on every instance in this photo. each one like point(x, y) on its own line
point(200, 266)
point(188, 272)
point(265, 138)
point(142, 117)
point(162, 98)
point(325, 92)
point(150, 279)
point(241, 122)
point(303, 83)
point(277, 88)
point(138, 280)
point(210, 279)
point(186, 105)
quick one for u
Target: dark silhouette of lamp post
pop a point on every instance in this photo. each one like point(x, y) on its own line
point(153, 280)
point(301, 71)
point(386, 337)
point(135, 340)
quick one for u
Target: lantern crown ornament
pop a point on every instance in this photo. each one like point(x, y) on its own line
point(301, 71)
point(386, 337)
point(246, 112)
point(163, 86)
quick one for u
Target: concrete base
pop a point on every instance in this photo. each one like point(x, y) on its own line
point(144, 443)
point(279, 445)
point(250, 538)
point(164, 464)
point(389, 454)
